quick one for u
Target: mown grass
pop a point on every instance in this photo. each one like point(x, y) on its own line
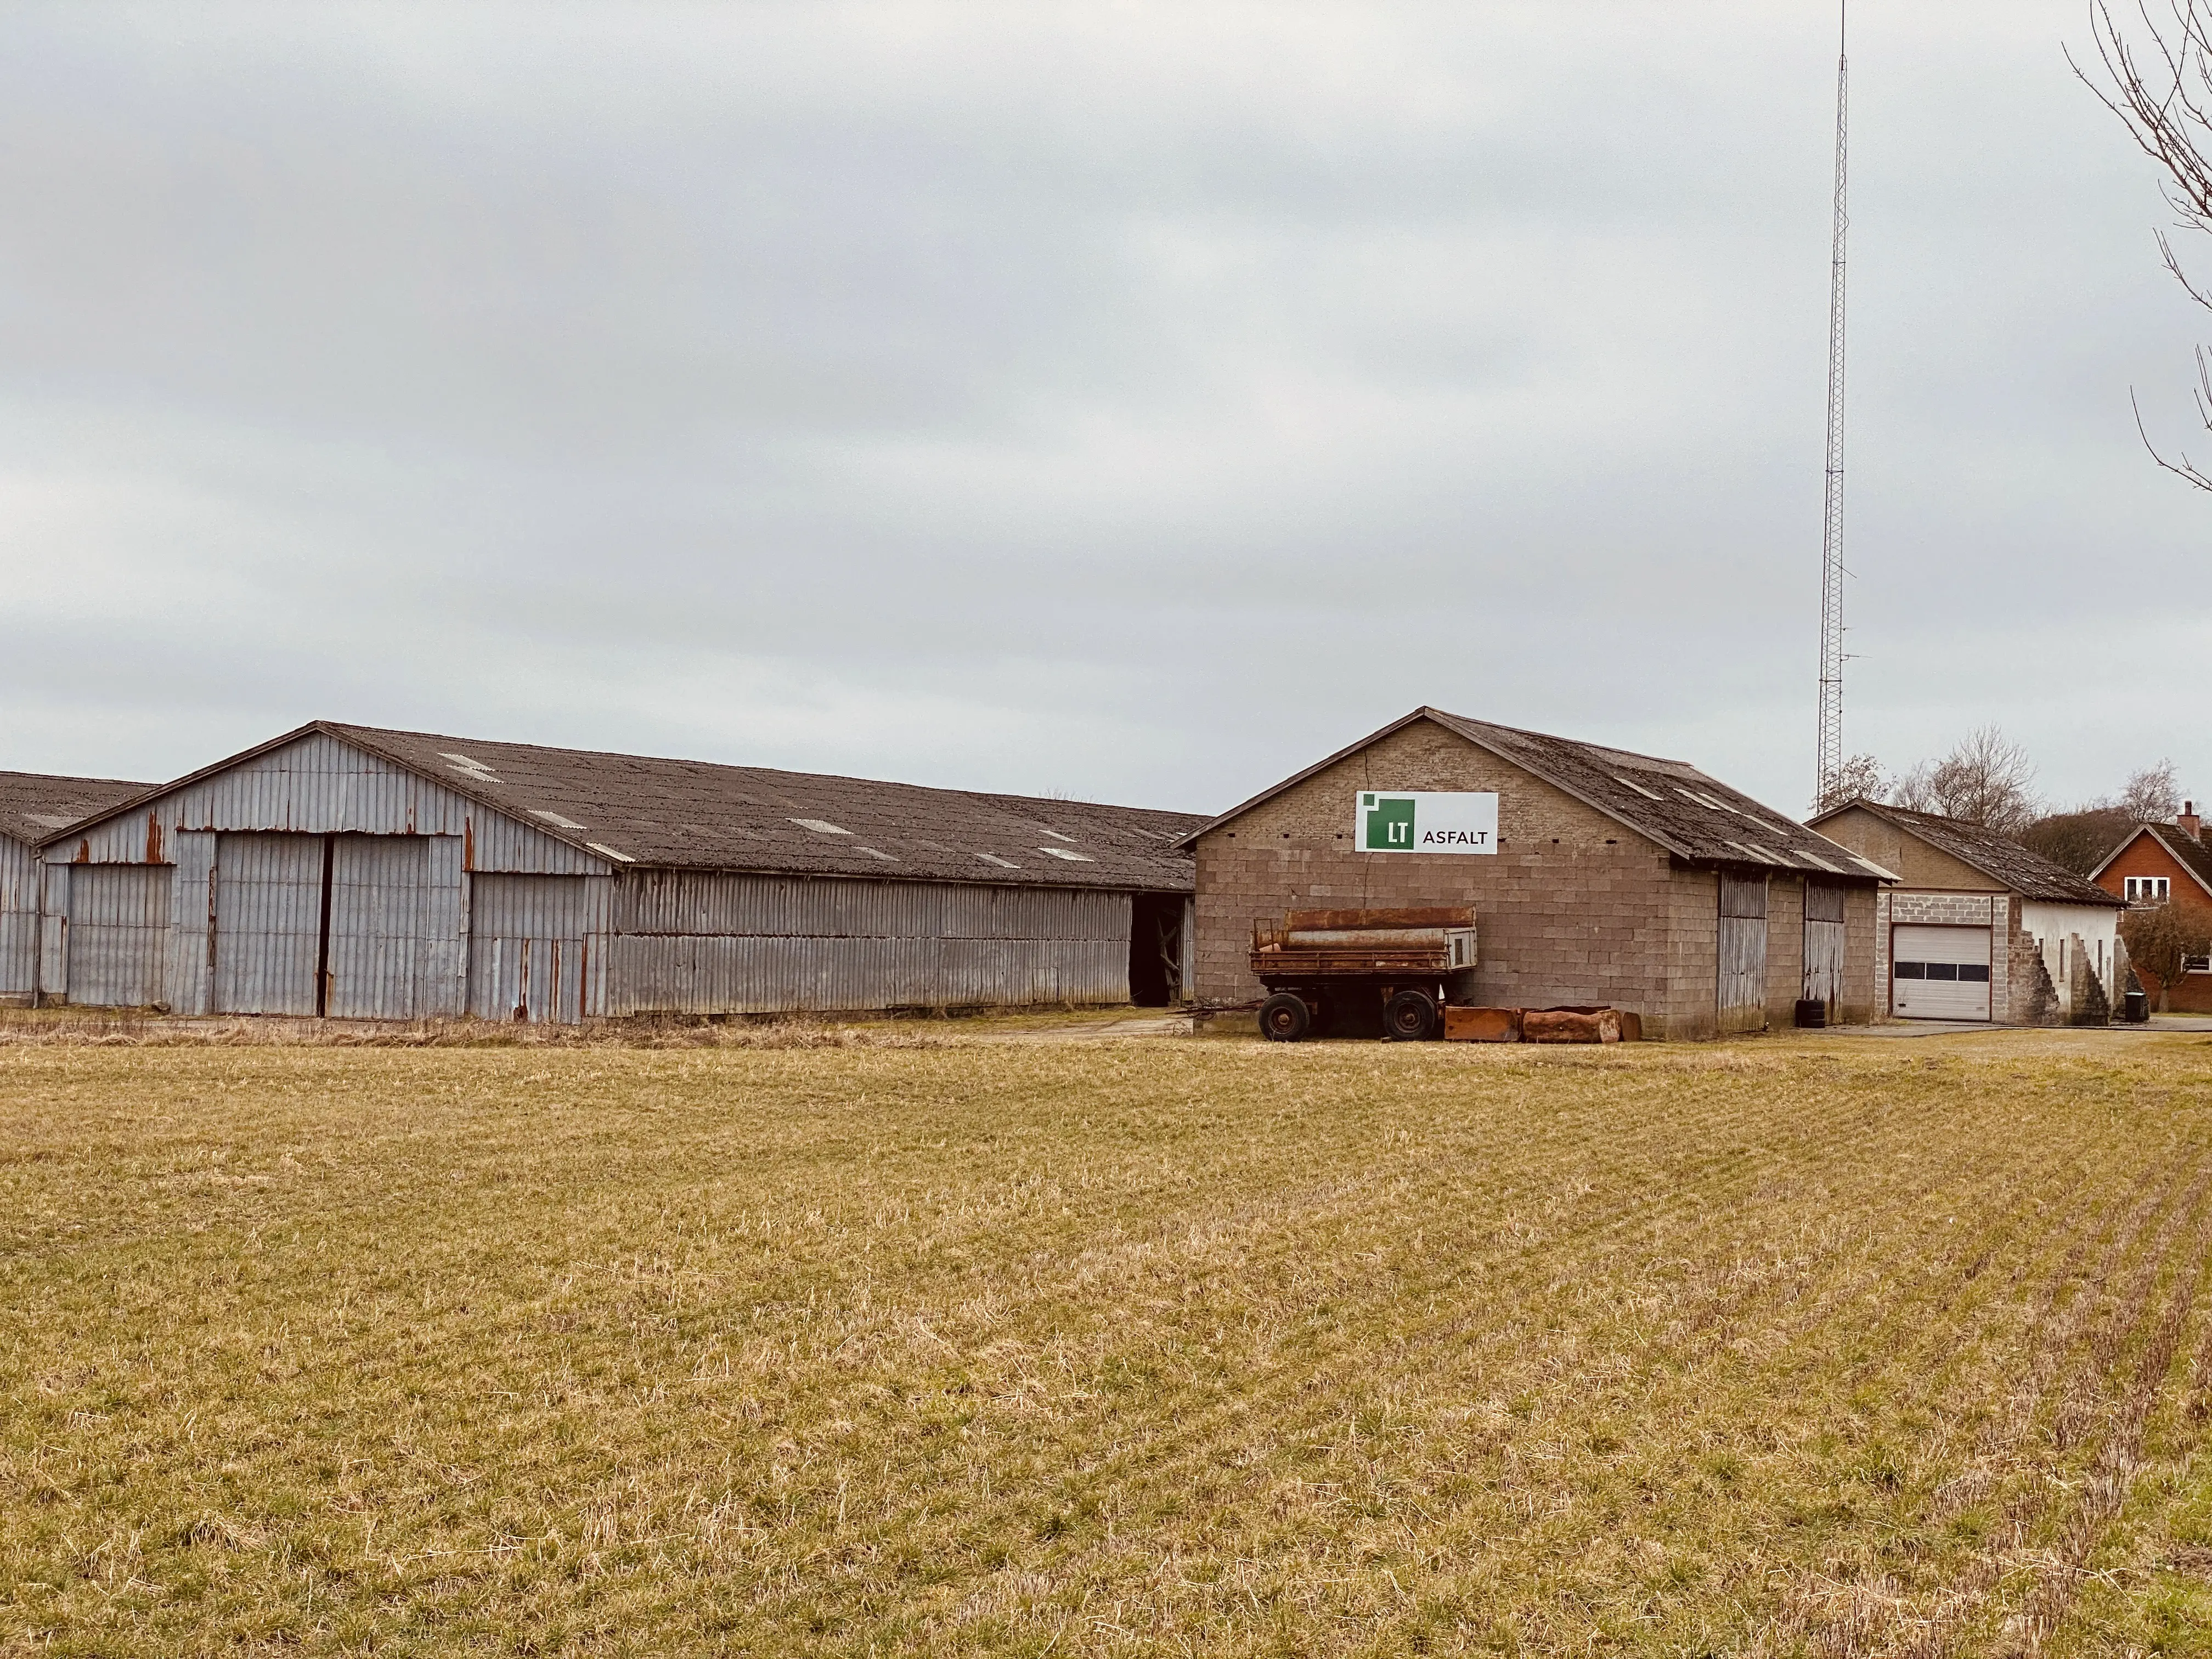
point(1818, 1347)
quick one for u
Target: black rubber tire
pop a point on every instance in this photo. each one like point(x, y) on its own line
point(1409, 1017)
point(1284, 1018)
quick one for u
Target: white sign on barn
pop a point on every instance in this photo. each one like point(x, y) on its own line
point(1387, 821)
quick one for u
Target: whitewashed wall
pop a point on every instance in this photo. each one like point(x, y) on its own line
point(2059, 930)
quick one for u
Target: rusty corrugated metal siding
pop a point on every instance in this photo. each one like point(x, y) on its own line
point(268, 924)
point(119, 934)
point(537, 947)
point(398, 939)
point(319, 785)
point(687, 942)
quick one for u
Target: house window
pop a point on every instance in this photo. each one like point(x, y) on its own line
point(2145, 889)
point(2196, 964)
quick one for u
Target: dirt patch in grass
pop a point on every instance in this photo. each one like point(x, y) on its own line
point(1106, 1348)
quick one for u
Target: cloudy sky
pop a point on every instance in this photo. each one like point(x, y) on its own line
point(1126, 401)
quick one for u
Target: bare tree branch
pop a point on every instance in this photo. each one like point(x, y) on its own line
point(2163, 97)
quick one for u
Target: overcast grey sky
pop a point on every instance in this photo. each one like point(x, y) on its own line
point(1133, 402)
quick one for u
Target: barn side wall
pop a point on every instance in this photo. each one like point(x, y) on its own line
point(1865, 975)
point(229, 937)
point(1691, 1008)
point(317, 784)
point(1786, 948)
point(1573, 907)
point(691, 942)
point(19, 921)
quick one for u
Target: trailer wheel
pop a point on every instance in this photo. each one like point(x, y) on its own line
point(1410, 1016)
point(1284, 1018)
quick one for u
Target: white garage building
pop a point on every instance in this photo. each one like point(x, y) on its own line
point(1981, 929)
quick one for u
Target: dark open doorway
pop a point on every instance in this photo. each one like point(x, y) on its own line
point(1156, 949)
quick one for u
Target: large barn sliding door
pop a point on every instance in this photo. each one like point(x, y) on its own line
point(1743, 953)
point(395, 938)
point(268, 923)
point(1824, 945)
point(528, 956)
point(119, 937)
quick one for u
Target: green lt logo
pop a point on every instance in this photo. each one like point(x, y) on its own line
point(1425, 821)
point(1386, 823)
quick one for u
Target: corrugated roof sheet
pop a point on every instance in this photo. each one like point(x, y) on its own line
point(1695, 816)
point(33, 805)
point(642, 810)
point(1995, 854)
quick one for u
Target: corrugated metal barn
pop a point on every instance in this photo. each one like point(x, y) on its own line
point(32, 806)
point(355, 872)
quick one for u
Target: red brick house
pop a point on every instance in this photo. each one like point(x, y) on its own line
point(2158, 864)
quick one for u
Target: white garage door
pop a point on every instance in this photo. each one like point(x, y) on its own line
point(1940, 973)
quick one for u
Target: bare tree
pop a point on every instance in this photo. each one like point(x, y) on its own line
point(1858, 778)
point(2151, 795)
point(2162, 93)
point(1985, 780)
point(2162, 938)
point(2080, 839)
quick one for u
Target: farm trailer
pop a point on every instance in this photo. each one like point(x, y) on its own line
point(1411, 971)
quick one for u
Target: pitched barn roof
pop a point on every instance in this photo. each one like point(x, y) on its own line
point(1995, 854)
point(1667, 802)
point(2189, 853)
point(33, 805)
point(638, 810)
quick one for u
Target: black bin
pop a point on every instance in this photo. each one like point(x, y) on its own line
point(2138, 1007)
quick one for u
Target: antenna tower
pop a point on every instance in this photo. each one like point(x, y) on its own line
point(1831, 748)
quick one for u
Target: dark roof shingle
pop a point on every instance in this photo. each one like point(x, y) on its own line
point(1668, 802)
point(33, 805)
point(695, 815)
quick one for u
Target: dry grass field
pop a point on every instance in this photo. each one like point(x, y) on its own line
point(1819, 1347)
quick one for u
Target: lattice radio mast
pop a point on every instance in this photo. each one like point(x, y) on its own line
point(1831, 750)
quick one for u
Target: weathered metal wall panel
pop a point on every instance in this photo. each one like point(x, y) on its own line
point(53, 932)
point(1826, 942)
point(537, 947)
point(191, 924)
point(694, 902)
point(319, 785)
point(1742, 989)
point(395, 946)
point(119, 935)
point(706, 975)
point(693, 943)
point(19, 921)
point(269, 907)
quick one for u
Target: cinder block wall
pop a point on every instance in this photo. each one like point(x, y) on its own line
point(1865, 977)
point(1693, 954)
point(1573, 908)
point(1786, 949)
